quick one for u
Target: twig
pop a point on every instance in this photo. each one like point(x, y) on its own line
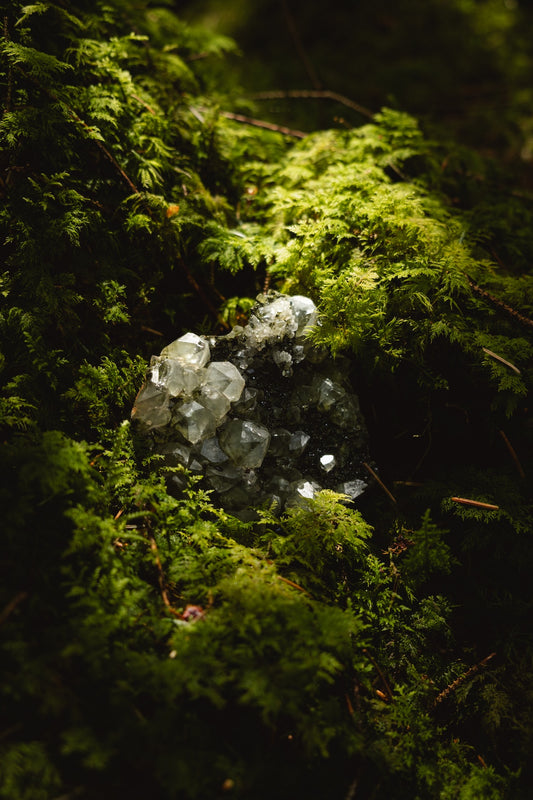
point(141, 101)
point(381, 675)
point(11, 606)
point(512, 451)
point(323, 94)
point(294, 585)
point(465, 501)
point(151, 330)
point(461, 679)
point(161, 575)
point(378, 479)
point(497, 302)
point(259, 123)
point(501, 359)
point(296, 38)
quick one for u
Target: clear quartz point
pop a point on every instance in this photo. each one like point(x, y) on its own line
point(151, 406)
point(225, 378)
point(245, 442)
point(351, 488)
point(190, 349)
point(179, 379)
point(195, 422)
point(305, 313)
point(217, 403)
point(327, 462)
point(298, 442)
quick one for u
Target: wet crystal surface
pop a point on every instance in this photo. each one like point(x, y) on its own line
point(263, 416)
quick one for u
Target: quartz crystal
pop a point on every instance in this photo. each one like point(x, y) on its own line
point(327, 462)
point(151, 407)
point(189, 349)
point(225, 378)
point(263, 416)
point(245, 442)
point(195, 422)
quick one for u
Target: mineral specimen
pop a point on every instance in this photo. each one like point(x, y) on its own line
point(265, 418)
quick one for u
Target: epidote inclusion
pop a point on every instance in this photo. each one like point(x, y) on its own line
point(265, 418)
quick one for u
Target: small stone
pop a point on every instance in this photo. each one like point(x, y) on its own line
point(195, 422)
point(245, 442)
point(190, 349)
point(225, 378)
point(279, 442)
point(327, 462)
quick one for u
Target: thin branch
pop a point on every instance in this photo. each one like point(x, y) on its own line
point(465, 501)
point(512, 452)
point(259, 123)
point(294, 585)
point(380, 673)
point(497, 302)
point(501, 360)
point(378, 479)
point(461, 679)
point(161, 575)
point(297, 40)
point(322, 94)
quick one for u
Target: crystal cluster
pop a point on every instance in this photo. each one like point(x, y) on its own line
point(263, 416)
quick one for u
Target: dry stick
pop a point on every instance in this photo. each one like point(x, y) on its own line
point(381, 675)
point(501, 359)
point(497, 302)
point(11, 606)
point(259, 123)
point(461, 679)
point(294, 585)
point(161, 575)
point(296, 38)
point(512, 451)
point(465, 501)
point(378, 479)
point(323, 94)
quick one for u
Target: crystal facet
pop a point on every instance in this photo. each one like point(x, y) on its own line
point(189, 349)
point(151, 406)
point(327, 462)
point(245, 442)
point(195, 422)
point(225, 378)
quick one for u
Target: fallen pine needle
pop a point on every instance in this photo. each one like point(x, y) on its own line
point(465, 501)
point(501, 359)
point(378, 479)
